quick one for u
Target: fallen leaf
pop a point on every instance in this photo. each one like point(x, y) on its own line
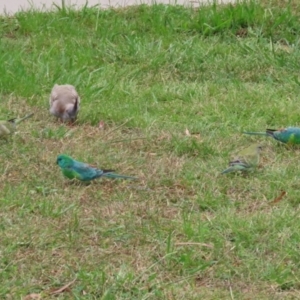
point(279, 198)
point(242, 32)
point(284, 48)
point(101, 125)
point(151, 154)
point(64, 288)
point(187, 132)
point(33, 296)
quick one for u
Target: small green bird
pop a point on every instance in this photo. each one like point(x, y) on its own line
point(246, 160)
point(9, 127)
point(72, 168)
point(289, 135)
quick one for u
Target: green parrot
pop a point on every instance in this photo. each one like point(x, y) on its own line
point(72, 168)
point(246, 160)
point(289, 135)
point(9, 127)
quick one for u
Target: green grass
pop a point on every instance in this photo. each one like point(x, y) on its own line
point(182, 231)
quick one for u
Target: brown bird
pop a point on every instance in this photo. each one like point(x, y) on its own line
point(64, 102)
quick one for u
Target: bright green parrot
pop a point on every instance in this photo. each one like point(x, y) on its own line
point(289, 135)
point(72, 168)
point(9, 127)
point(246, 160)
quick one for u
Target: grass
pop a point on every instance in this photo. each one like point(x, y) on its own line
point(182, 231)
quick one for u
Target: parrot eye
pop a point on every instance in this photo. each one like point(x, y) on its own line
point(259, 148)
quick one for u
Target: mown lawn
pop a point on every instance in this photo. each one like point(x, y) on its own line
point(175, 88)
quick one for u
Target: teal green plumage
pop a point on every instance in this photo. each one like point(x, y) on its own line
point(9, 127)
point(246, 160)
point(72, 169)
point(289, 135)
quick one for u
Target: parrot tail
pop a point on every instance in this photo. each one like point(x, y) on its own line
point(13, 120)
point(256, 133)
point(271, 132)
point(17, 121)
point(75, 106)
point(109, 174)
point(228, 170)
point(234, 167)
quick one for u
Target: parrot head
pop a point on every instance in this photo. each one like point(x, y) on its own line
point(259, 148)
point(64, 161)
